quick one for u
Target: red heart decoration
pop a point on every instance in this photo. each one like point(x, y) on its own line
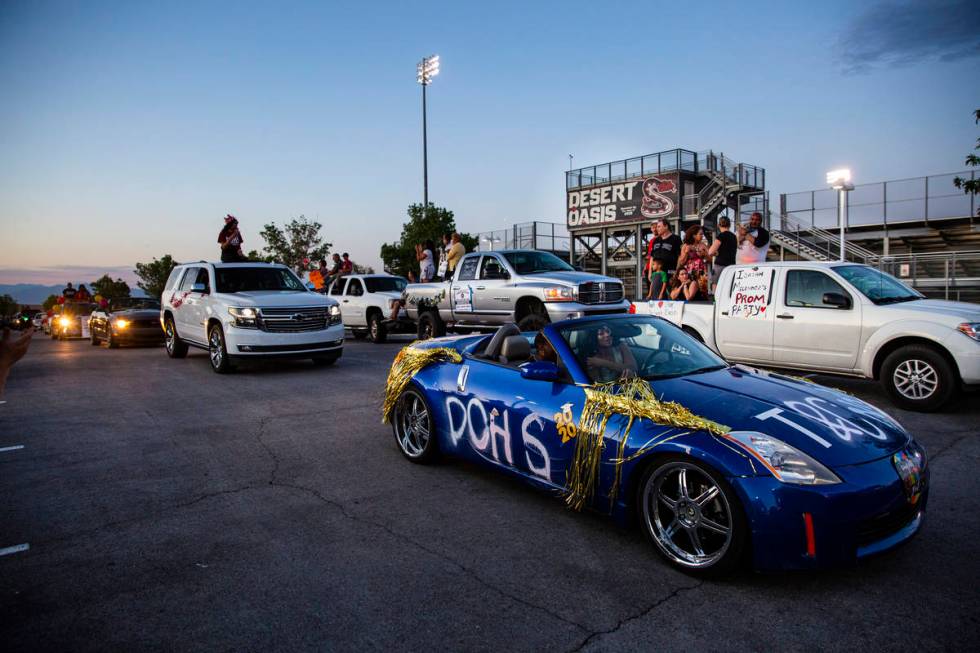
point(762, 309)
point(660, 304)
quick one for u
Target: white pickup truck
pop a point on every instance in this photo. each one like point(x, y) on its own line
point(366, 302)
point(838, 318)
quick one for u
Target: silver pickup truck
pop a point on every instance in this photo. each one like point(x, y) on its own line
point(529, 287)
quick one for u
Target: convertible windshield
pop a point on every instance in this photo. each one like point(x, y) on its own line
point(533, 262)
point(637, 346)
point(232, 280)
point(128, 303)
point(385, 284)
point(877, 286)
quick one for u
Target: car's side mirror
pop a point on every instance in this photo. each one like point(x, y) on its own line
point(199, 287)
point(836, 299)
point(539, 371)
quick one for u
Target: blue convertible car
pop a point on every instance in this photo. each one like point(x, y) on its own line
point(630, 416)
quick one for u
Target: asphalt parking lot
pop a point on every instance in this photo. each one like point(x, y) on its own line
point(167, 507)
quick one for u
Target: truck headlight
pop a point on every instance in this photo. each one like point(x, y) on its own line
point(335, 315)
point(120, 324)
point(787, 464)
point(246, 317)
point(970, 329)
point(559, 294)
point(64, 321)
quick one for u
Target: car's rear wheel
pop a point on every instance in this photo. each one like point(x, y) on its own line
point(413, 427)
point(917, 377)
point(217, 352)
point(176, 348)
point(376, 329)
point(692, 515)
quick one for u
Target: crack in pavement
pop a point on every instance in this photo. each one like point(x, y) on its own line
point(949, 446)
point(633, 617)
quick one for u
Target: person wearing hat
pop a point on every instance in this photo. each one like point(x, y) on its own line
point(230, 239)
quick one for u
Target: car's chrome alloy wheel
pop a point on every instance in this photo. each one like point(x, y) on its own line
point(688, 515)
point(171, 337)
point(412, 425)
point(915, 379)
point(373, 326)
point(217, 355)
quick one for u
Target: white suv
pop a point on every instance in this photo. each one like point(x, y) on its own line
point(248, 310)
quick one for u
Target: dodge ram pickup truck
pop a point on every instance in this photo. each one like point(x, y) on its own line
point(529, 287)
point(839, 318)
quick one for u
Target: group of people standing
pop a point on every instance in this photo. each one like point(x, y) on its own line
point(449, 255)
point(324, 275)
point(688, 269)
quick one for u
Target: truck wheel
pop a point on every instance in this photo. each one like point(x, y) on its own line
point(917, 377)
point(430, 326)
point(94, 339)
point(377, 330)
point(533, 322)
point(217, 351)
point(176, 348)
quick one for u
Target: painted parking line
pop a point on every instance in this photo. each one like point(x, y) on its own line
point(13, 448)
point(14, 549)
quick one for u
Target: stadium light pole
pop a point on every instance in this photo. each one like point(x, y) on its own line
point(426, 70)
point(840, 180)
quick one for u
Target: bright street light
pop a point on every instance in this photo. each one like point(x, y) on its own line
point(840, 180)
point(425, 71)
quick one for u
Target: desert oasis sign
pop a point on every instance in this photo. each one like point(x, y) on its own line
point(634, 200)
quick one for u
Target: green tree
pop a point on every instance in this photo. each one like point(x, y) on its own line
point(254, 255)
point(153, 276)
point(971, 186)
point(297, 244)
point(428, 224)
point(8, 305)
point(109, 288)
point(363, 269)
point(50, 302)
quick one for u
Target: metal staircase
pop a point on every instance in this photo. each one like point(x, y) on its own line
point(816, 244)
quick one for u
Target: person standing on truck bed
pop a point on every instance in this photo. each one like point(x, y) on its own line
point(723, 250)
point(666, 246)
point(427, 267)
point(453, 254)
point(753, 241)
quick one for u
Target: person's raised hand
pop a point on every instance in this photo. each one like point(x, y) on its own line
point(13, 349)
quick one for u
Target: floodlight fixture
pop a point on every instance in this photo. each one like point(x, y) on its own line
point(840, 180)
point(427, 69)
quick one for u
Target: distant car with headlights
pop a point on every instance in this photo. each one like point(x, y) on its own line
point(126, 321)
point(526, 286)
point(38, 320)
point(71, 321)
point(239, 311)
point(785, 473)
point(366, 302)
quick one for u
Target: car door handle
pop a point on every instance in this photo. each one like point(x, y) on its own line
point(481, 287)
point(346, 300)
point(724, 312)
point(785, 316)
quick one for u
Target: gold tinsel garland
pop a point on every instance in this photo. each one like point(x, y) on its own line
point(407, 363)
point(634, 399)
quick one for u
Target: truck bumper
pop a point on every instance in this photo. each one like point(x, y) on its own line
point(570, 310)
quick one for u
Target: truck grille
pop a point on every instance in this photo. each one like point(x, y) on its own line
point(294, 320)
point(601, 292)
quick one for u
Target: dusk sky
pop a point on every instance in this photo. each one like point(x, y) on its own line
point(129, 129)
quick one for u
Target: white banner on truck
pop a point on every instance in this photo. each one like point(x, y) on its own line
point(751, 292)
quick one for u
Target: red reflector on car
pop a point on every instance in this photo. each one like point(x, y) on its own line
point(811, 544)
point(632, 308)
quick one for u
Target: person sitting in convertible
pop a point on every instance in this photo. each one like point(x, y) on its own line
point(543, 349)
point(610, 360)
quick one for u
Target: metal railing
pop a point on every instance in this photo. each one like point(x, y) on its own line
point(548, 236)
point(918, 199)
point(667, 161)
point(824, 242)
point(954, 275)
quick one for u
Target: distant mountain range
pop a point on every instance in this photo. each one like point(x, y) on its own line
point(35, 293)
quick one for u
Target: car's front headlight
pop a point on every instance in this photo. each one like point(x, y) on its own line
point(246, 317)
point(64, 321)
point(335, 315)
point(120, 323)
point(787, 464)
point(970, 329)
point(559, 294)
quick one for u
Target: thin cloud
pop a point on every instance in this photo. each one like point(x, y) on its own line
point(64, 273)
point(903, 33)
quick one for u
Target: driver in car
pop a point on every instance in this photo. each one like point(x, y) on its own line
point(611, 360)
